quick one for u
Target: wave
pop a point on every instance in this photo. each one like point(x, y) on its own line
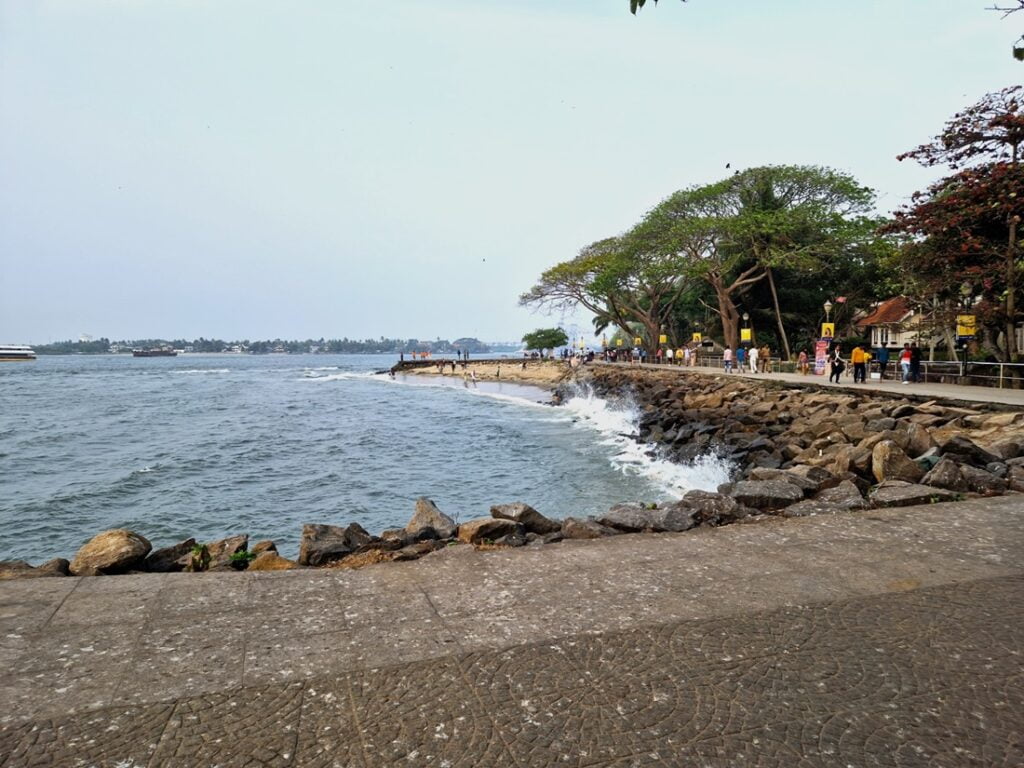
point(310, 375)
point(324, 368)
point(204, 370)
point(618, 423)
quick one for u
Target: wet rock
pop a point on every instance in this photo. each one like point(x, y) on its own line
point(263, 546)
point(323, 544)
point(896, 493)
point(113, 551)
point(946, 474)
point(968, 451)
point(980, 481)
point(224, 550)
point(766, 494)
point(170, 559)
point(427, 515)
point(889, 462)
point(528, 517)
point(581, 528)
point(714, 508)
point(269, 560)
point(846, 496)
point(633, 518)
point(486, 530)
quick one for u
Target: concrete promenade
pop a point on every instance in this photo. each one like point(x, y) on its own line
point(961, 392)
point(881, 638)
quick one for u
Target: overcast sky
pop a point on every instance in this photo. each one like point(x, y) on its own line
point(252, 169)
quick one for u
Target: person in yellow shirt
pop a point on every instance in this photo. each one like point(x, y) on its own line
point(859, 359)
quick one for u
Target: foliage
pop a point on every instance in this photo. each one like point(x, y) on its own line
point(544, 339)
point(326, 346)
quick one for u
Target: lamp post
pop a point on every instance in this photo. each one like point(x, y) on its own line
point(966, 289)
point(828, 310)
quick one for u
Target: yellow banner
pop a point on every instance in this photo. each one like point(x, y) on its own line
point(618, 342)
point(638, 341)
point(965, 325)
point(662, 339)
point(746, 334)
point(828, 330)
point(698, 338)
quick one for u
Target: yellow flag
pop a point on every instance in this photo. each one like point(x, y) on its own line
point(746, 334)
point(698, 338)
point(828, 330)
point(662, 339)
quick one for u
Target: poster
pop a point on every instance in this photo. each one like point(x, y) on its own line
point(697, 338)
point(828, 330)
point(965, 327)
point(746, 334)
point(820, 356)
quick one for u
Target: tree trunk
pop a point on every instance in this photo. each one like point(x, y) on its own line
point(778, 313)
point(730, 319)
point(1011, 290)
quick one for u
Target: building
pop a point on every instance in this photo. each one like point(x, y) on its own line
point(892, 322)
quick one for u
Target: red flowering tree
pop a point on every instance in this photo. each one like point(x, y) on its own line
point(964, 228)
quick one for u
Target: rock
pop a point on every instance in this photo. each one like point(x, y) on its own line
point(1006, 449)
point(888, 462)
point(997, 468)
point(980, 481)
point(580, 528)
point(397, 534)
point(805, 484)
point(820, 476)
point(427, 515)
point(1002, 419)
point(880, 425)
point(323, 544)
point(946, 474)
point(919, 440)
point(15, 569)
point(58, 566)
point(968, 451)
point(896, 493)
point(113, 551)
point(714, 508)
point(363, 559)
point(419, 549)
point(263, 546)
point(766, 494)
point(846, 496)
point(903, 410)
point(223, 550)
point(170, 559)
point(1015, 477)
point(810, 507)
point(528, 517)
point(515, 539)
point(486, 530)
point(632, 518)
point(269, 560)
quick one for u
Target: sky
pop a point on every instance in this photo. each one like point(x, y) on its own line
point(254, 169)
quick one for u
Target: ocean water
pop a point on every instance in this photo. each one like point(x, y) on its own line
point(214, 445)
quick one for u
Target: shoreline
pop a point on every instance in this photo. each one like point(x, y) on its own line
point(544, 374)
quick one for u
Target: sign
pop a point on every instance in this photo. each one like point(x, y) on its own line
point(618, 342)
point(662, 339)
point(697, 338)
point(746, 334)
point(638, 341)
point(965, 326)
point(820, 356)
point(828, 330)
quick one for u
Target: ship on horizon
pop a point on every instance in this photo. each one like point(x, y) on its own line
point(12, 353)
point(155, 352)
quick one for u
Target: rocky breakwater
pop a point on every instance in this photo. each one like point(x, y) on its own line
point(800, 451)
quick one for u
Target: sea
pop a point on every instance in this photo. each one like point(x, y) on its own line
point(208, 446)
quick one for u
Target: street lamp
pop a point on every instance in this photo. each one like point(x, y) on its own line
point(828, 309)
point(746, 318)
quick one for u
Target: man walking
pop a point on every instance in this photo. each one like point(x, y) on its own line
point(859, 360)
point(883, 360)
point(915, 363)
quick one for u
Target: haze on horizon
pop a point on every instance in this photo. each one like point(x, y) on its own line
point(249, 170)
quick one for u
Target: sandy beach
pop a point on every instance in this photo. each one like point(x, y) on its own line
point(539, 373)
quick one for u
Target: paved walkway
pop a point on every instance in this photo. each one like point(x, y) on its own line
point(961, 392)
point(881, 638)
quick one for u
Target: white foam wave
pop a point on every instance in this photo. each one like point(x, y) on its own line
point(205, 370)
point(617, 422)
point(323, 368)
point(345, 376)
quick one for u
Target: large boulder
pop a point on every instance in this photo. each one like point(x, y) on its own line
point(528, 517)
point(633, 518)
point(805, 484)
point(169, 559)
point(846, 496)
point(487, 529)
point(983, 482)
point(820, 476)
point(967, 451)
point(896, 493)
point(418, 549)
point(269, 560)
point(919, 440)
point(19, 569)
point(766, 494)
point(223, 551)
point(713, 508)
point(1015, 478)
point(114, 551)
point(946, 474)
point(427, 515)
point(582, 528)
point(889, 462)
point(323, 544)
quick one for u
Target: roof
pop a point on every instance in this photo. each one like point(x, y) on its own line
point(889, 312)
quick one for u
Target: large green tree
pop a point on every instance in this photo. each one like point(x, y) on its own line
point(544, 339)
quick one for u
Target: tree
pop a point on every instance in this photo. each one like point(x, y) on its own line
point(544, 339)
point(965, 226)
point(635, 4)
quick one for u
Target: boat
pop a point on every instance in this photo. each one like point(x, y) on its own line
point(12, 353)
point(156, 352)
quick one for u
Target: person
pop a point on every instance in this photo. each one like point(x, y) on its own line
point(727, 359)
point(802, 362)
point(679, 355)
point(766, 359)
point(905, 356)
point(687, 356)
point(670, 356)
point(859, 359)
point(915, 363)
point(741, 358)
point(754, 351)
point(883, 360)
point(636, 355)
point(837, 365)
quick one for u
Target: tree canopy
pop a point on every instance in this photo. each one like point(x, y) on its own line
point(544, 339)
